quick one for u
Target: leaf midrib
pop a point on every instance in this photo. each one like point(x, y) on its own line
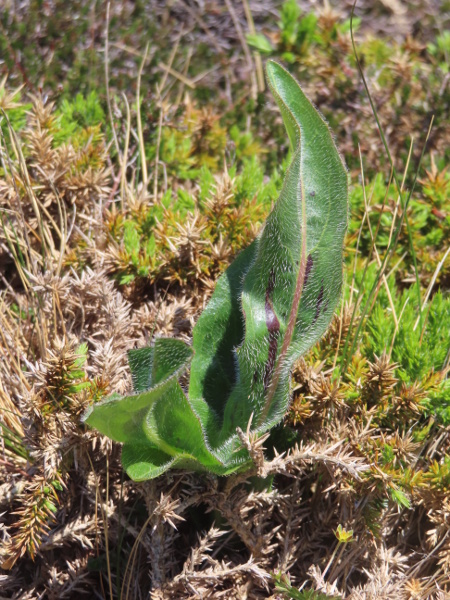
point(300, 278)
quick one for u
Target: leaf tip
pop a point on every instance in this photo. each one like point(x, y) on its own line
point(273, 69)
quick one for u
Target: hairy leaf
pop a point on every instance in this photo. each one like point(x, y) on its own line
point(293, 286)
point(271, 305)
point(157, 425)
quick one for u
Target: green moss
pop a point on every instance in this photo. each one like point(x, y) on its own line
point(75, 116)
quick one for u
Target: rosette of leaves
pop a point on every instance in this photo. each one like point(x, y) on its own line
point(271, 305)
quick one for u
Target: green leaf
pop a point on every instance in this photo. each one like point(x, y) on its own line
point(259, 42)
point(288, 24)
point(157, 424)
point(155, 371)
point(272, 304)
point(218, 332)
point(126, 279)
point(155, 364)
point(131, 239)
point(150, 247)
point(293, 286)
point(142, 462)
point(81, 352)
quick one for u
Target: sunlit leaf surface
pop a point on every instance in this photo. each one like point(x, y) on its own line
point(272, 304)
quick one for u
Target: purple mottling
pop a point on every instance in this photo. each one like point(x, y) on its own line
point(273, 327)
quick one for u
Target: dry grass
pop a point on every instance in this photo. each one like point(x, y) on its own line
point(71, 523)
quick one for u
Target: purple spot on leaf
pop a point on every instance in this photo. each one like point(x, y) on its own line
point(309, 266)
point(270, 284)
point(273, 327)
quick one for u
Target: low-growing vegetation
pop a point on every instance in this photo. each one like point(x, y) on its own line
point(122, 200)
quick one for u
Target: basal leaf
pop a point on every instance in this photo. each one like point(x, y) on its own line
point(154, 372)
point(292, 288)
point(271, 305)
point(142, 462)
point(172, 426)
point(154, 364)
point(219, 330)
point(157, 424)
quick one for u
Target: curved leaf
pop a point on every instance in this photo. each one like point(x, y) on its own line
point(157, 425)
point(293, 286)
point(121, 418)
point(154, 364)
point(142, 462)
point(218, 331)
point(271, 305)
